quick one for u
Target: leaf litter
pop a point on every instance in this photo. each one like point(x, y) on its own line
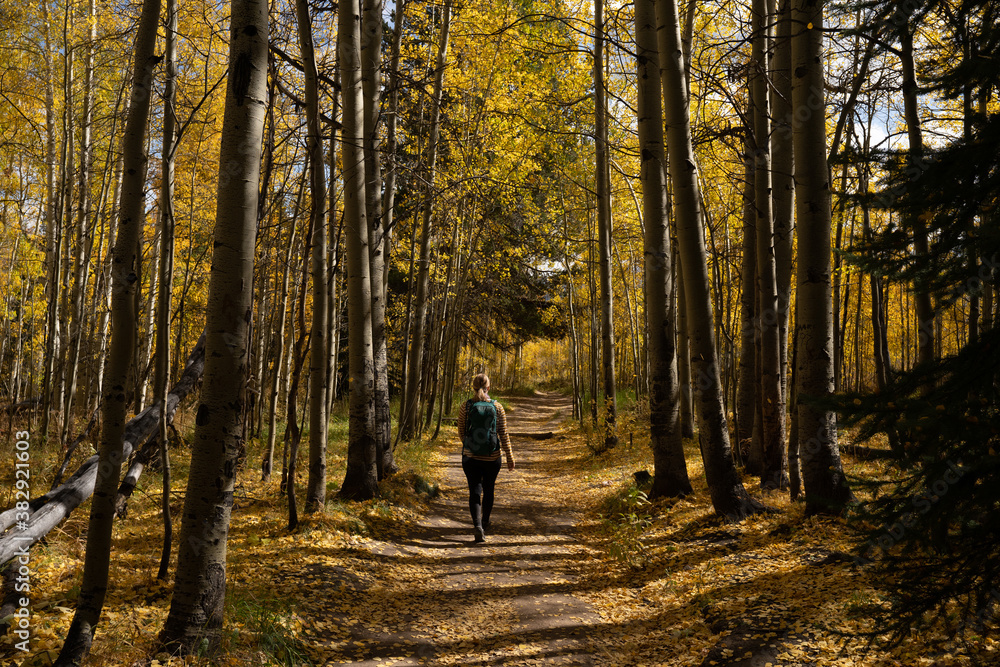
point(398, 581)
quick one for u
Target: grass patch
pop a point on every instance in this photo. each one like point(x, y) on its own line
point(630, 427)
point(268, 626)
point(269, 568)
point(524, 390)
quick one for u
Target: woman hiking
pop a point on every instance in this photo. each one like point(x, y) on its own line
point(482, 427)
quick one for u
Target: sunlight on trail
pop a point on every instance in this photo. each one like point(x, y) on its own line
point(400, 582)
point(508, 601)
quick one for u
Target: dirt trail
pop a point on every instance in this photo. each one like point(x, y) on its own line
point(434, 597)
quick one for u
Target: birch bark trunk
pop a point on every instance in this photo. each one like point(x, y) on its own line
point(666, 439)
point(85, 239)
point(371, 84)
point(316, 483)
point(823, 479)
point(729, 498)
point(772, 410)
point(196, 608)
point(603, 192)
point(97, 561)
point(782, 182)
point(926, 317)
point(361, 476)
point(161, 378)
point(278, 352)
point(52, 254)
point(746, 382)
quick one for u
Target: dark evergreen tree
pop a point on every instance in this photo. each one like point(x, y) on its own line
point(932, 530)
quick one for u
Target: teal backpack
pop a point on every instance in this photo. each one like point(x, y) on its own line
point(481, 428)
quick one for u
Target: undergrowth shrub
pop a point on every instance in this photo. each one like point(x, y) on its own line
point(631, 416)
point(626, 515)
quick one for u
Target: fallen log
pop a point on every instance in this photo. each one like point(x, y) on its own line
point(11, 597)
point(139, 462)
point(532, 436)
point(48, 511)
point(22, 406)
point(862, 452)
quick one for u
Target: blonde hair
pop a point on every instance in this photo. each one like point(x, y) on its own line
point(480, 385)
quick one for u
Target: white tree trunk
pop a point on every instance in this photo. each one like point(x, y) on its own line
point(729, 498)
point(823, 478)
point(380, 234)
point(670, 472)
point(361, 477)
point(316, 485)
point(782, 182)
point(772, 474)
point(196, 608)
point(161, 379)
point(602, 188)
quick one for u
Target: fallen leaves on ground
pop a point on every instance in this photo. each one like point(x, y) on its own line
point(376, 584)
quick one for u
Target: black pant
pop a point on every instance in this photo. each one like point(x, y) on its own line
point(482, 478)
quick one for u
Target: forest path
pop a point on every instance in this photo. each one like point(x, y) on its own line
point(437, 598)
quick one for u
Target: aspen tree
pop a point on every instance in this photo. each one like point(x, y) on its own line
point(746, 382)
point(84, 226)
point(316, 484)
point(52, 235)
point(267, 463)
point(392, 118)
point(196, 608)
point(293, 432)
point(65, 242)
point(97, 560)
point(782, 182)
point(105, 279)
point(729, 498)
point(162, 371)
point(335, 228)
point(926, 317)
point(822, 476)
point(683, 341)
point(361, 476)
point(391, 141)
point(602, 188)
point(371, 83)
point(595, 350)
point(670, 473)
point(769, 396)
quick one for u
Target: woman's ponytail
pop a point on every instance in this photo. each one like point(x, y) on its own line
point(480, 385)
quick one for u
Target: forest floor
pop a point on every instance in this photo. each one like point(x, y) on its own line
point(577, 570)
point(440, 598)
